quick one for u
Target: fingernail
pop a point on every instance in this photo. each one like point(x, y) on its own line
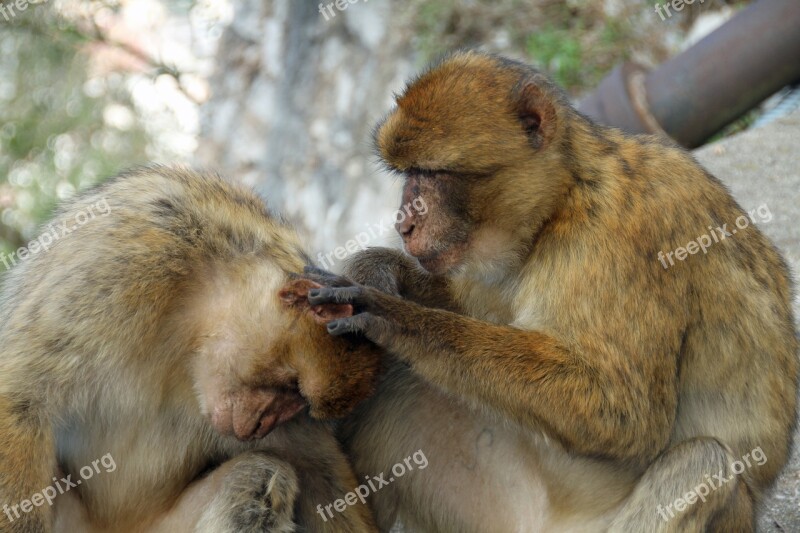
point(313, 293)
point(332, 325)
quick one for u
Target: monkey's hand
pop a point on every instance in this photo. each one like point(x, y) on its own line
point(340, 322)
point(371, 311)
point(257, 495)
point(381, 276)
point(392, 272)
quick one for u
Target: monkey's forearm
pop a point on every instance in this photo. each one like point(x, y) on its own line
point(527, 376)
point(426, 290)
point(26, 467)
point(394, 272)
point(533, 378)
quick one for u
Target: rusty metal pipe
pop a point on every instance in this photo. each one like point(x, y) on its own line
point(695, 94)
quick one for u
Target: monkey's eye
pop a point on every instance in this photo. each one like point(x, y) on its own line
point(423, 172)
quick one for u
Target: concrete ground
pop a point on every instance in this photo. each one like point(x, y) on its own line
point(762, 166)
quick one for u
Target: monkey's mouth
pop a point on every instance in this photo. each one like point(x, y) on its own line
point(431, 263)
point(441, 261)
point(254, 412)
point(287, 405)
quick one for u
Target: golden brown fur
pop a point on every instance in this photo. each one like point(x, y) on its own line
point(561, 379)
point(156, 333)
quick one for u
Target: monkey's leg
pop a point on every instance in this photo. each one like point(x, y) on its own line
point(27, 466)
point(326, 476)
point(689, 488)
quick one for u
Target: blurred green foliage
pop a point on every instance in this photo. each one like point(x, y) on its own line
point(54, 139)
point(558, 52)
point(59, 134)
point(576, 42)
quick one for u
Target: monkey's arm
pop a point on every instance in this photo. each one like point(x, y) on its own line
point(529, 377)
point(394, 272)
point(27, 466)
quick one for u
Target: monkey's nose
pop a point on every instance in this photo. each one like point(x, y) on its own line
point(405, 228)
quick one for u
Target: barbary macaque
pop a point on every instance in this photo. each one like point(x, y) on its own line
point(556, 374)
point(165, 334)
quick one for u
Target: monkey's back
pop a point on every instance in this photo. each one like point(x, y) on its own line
point(724, 311)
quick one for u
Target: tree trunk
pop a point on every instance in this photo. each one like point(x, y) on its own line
point(294, 102)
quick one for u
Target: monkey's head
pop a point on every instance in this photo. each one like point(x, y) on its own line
point(476, 138)
point(264, 355)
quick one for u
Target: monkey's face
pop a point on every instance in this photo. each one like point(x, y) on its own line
point(434, 220)
point(471, 138)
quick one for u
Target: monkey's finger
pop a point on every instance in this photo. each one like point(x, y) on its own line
point(324, 277)
point(328, 281)
point(354, 324)
point(336, 295)
point(325, 281)
point(325, 313)
point(311, 269)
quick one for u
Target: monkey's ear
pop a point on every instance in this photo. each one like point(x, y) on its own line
point(294, 295)
point(536, 113)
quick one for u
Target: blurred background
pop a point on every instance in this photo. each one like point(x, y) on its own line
point(283, 94)
point(279, 94)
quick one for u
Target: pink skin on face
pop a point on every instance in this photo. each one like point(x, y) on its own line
point(252, 413)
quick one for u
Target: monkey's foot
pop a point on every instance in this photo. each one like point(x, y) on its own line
point(257, 496)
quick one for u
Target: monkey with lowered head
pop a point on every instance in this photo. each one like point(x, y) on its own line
point(169, 336)
point(556, 374)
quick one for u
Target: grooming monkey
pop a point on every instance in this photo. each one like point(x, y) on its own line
point(169, 336)
point(557, 376)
